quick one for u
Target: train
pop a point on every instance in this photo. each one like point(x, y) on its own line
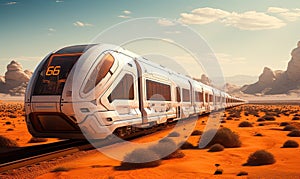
point(96, 90)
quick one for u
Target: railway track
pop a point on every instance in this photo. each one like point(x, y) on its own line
point(33, 154)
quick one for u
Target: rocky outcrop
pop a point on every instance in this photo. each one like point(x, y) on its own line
point(205, 80)
point(278, 82)
point(15, 80)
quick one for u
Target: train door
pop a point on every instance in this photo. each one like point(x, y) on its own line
point(178, 100)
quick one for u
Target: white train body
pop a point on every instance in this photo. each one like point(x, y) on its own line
point(104, 89)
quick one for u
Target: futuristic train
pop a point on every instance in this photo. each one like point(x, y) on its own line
point(102, 89)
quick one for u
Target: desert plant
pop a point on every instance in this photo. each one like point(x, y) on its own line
point(289, 128)
point(166, 149)
point(269, 118)
point(290, 144)
point(295, 118)
point(61, 169)
point(245, 124)
point(174, 134)
point(216, 148)
point(258, 134)
point(196, 132)
point(225, 137)
point(260, 157)
point(294, 133)
point(242, 173)
point(283, 124)
point(141, 158)
point(187, 145)
point(7, 143)
point(8, 123)
point(37, 140)
point(261, 119)
point(218, 172)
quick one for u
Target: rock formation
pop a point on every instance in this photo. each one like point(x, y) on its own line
point(15, 80)
point(278, 82)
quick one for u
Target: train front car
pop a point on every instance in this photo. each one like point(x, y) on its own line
point(64, 78)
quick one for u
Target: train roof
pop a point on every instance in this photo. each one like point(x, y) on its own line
point(74, 49)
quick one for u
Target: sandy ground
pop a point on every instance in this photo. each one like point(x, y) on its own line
point(197, 163)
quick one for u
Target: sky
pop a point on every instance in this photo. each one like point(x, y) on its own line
point(245, 35)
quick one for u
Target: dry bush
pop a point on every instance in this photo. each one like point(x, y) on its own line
point(8, 123)
point(258, 134)
point(294, 133)
point(260, 157)
point(166, 149)
point(12, 116)
point(196, 132)
point(9, 129)
point(242, 173)
point(133, 160)
point(229, 118)
point(295, 118)
point(174, 134)
point(289, 128)
point(37, 140)
point(261, 119)
point(269, 118)
point(290, 144)
point(218, 172)
point(225, 137)
point(245, 124)
point(283, 124)
point(7, 143)
point(61, 169)
point(216, 148)
point(187, 145)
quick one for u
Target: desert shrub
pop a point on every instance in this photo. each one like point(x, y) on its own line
point(187, 145)
point(196, 132)
point(225, 137)
point(295, 118)
point(258, 134)
point(269, 118)
point(166, 149)
point(8, 123)
point(245, 124)
point(141, 158)
point(294, 133)
point(242, 173)
point(174, 134)
point(9, 129)
point(167, 139)
point(229, 118)
point(218, 172)
point(261, 119)
point(222, 121)
point(283, 124)
point(61, 169)
point(7, 143)
point(290, 144)
point(289, 128)
point(260, 157)
point(216, 148)
point(37, 140)
point(12, 116)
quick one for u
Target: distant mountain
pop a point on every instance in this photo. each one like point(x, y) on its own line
point(15, 80)
point(278, 82)
point(241, 80)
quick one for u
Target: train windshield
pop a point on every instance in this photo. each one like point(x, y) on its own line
point(54, 74)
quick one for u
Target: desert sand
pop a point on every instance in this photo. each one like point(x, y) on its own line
point(197, 163)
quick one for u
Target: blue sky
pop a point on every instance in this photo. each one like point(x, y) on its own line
point(246, 35)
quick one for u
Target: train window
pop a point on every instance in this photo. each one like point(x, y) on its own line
point(123, 90)
point(54, 73)
point(198, 96)
point(178, 95)
point(186, 97)
point(211, 98)
point(158, 91)
point(99, 72)
point(206, 97)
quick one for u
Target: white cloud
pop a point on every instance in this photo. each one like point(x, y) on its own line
point(203, 16)
point(277, 10)
point(165, 22)
point(250, 20)
point(58, 1)
point(287, 14)
point(124, 17)
point(11, 3)
point(51, 30)
point(81, 24)
point(127, 12)
point(253, 20)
